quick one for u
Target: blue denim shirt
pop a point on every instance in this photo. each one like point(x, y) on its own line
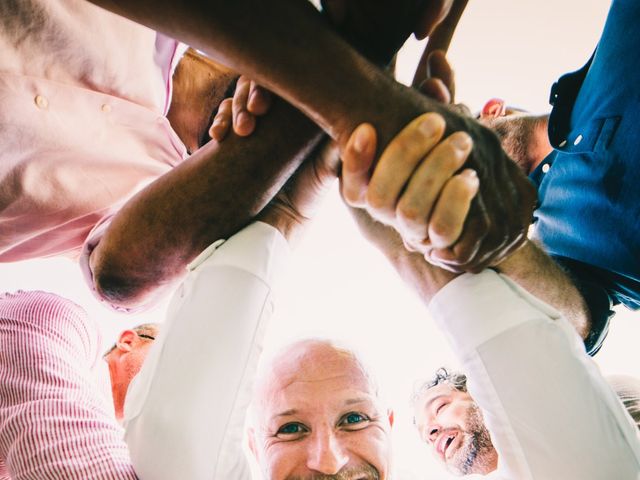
point(588, 217)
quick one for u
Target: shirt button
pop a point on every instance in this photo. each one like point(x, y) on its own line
point(577, 140)
point(562, 143)
point(545, 168)
point(106, 108)
point(41, 102)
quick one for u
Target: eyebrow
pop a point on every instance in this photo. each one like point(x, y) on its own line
point(432, 400)
point(295, 411)
point(286, 413)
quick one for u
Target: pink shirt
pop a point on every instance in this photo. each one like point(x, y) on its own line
point(56, 420)
point(83, 94)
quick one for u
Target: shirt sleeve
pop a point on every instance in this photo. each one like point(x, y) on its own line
point(548, 409)
point(54, 422)
point(185, 411)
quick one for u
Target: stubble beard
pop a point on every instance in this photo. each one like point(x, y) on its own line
point(477, 454)
point(516, 134)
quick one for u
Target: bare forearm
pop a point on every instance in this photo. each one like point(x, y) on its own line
point(537, 273)
point(211, 195)
point(291, 54)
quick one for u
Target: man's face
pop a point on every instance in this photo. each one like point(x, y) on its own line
point(450, 422)
point(318, 417)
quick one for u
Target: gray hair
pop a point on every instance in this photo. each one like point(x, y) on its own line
point(456, 379)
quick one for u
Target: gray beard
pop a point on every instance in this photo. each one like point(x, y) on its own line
point(475, 451)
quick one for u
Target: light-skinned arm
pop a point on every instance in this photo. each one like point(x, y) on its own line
point(406, 206)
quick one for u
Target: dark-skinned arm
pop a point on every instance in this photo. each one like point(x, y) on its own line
point(211, 195)
point(295, 55)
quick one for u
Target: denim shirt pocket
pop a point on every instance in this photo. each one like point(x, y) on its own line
point(594, 136)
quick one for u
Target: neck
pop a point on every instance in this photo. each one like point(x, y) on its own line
point(540, 146)
point(117, 392)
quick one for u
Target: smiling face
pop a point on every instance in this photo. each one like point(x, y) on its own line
point(316, 416)
point(451, 423)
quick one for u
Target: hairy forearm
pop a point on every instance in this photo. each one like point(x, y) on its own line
point(211, 195)
point(537, 273)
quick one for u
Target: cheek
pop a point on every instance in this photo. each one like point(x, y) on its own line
point(454, 416)
point(283, 460)
point(371, 446)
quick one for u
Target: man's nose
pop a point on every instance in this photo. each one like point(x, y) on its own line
point(326, 454)
point(432, 432)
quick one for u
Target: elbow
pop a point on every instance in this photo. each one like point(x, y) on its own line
point(117, 289)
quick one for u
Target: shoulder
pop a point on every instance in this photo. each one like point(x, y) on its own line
point(43, 317)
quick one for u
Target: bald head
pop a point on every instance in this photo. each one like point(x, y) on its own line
point(311, 360)
point(316, 414)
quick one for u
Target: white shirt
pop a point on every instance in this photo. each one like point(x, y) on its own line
point(185, 411)
point(550, 412)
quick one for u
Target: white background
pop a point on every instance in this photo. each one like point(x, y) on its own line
point(338, 285)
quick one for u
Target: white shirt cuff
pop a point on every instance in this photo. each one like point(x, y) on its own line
point(258, 248)
point(473, 309)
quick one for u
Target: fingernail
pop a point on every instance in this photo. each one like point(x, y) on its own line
point(361, 141)
point(472, 179)
point(461, 141)
point(429, 126)
point(243, 118)
point(470, 174)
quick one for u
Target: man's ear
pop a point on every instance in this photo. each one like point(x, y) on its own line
point(494, 108)
point(390, 416)
point(126, 340)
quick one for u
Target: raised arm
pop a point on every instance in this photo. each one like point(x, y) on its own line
point(211, 195)
point(298, 57)
point(396, 194)
point(544, 401)
point(195, 386)
point(215, 192)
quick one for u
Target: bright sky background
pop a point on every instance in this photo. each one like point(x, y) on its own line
point(338, 285)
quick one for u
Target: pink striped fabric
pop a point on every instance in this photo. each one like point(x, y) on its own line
point(54, 423)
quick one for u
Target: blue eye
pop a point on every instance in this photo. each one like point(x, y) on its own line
point(354, 419)
point(290, 428)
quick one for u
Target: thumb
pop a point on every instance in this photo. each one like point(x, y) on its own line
point(357, 160)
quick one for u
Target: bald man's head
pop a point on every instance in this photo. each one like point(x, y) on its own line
point(317, 415)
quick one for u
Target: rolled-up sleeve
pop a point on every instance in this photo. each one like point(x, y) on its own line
point(550, 412)
point(185, 411)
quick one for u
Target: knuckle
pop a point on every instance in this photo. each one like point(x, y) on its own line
point(410, 212)
point(441, 228)
point(377, 200)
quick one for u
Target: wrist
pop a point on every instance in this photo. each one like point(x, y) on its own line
point(288, 224)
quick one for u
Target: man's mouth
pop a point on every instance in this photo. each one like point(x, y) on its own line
point(444, 441)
